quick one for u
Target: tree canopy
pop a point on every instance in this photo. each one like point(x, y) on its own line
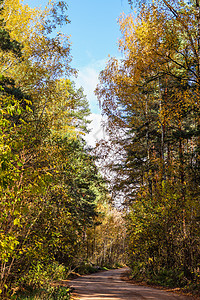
point(58, 214)
point(49, 183)
point(151, 100)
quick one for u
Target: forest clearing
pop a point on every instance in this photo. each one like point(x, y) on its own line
point(132, 200)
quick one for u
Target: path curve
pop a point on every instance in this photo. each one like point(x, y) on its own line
point(108, 285)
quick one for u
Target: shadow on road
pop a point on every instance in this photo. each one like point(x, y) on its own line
point(108, 285)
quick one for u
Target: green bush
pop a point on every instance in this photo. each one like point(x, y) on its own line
point(166, 278)
point(37, 284)
point(52, 293)
point(86, 268)
point(118, 266)
point(41, 275)
point(60, 293)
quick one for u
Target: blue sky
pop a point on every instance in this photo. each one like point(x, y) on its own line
point(94, 35)
point(94, 30)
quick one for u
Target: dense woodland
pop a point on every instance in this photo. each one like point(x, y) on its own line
point(151, 99)
point(57, 212)
point(53, 201)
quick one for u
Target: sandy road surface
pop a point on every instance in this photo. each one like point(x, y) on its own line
point(109, 286)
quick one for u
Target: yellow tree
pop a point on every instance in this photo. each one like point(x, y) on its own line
point(151, 98)
point(44, 58)
point(39, 164)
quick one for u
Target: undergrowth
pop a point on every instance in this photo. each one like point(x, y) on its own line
point(167, 278)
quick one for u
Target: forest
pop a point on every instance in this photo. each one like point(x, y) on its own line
point(133, 200)
point(152, 103)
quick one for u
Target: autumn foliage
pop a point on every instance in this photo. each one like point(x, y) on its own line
point(49, 184)
point(151, 100)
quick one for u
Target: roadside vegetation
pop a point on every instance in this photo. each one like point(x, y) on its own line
point(58, 215)
point(151, 100)
point(53, 200)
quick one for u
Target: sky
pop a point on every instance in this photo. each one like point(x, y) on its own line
point(94, 36)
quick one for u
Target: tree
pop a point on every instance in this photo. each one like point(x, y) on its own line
point(151, 101)
point(47, 176)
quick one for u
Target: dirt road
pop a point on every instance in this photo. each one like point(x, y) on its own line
point(109, 286)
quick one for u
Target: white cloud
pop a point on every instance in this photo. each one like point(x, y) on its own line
point(97, 132)
point(88, 79)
